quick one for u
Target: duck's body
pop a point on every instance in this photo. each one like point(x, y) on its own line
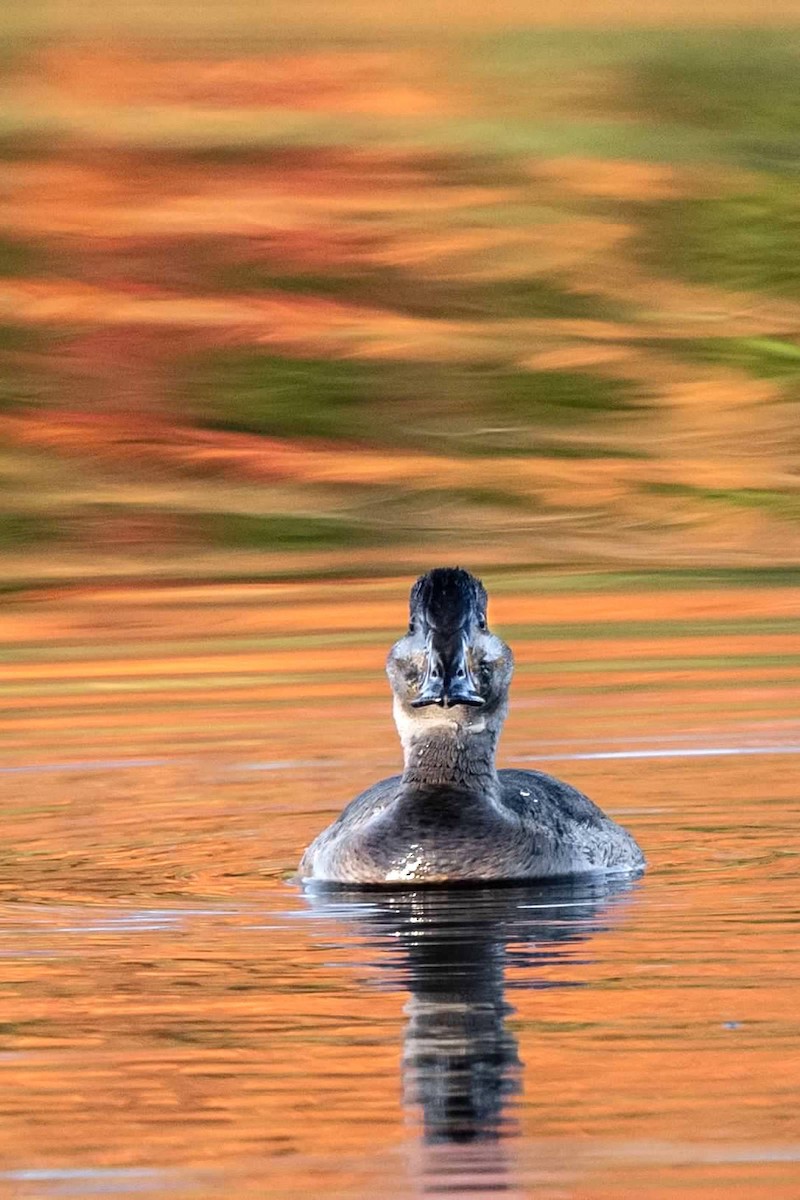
point(452, 817)
point(527, 825)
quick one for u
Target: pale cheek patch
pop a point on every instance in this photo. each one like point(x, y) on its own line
point(410, 727)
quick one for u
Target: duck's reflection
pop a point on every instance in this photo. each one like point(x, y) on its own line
point(453, 946)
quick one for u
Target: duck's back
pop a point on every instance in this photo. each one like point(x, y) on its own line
point(569, 832)
point(549, 829)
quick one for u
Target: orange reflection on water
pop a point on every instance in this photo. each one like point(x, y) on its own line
point(172, 1004)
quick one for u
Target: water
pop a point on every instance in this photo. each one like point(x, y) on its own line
point(178, 1018)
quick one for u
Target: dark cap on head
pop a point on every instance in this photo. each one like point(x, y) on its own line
point(449, 604)
point(446, 596)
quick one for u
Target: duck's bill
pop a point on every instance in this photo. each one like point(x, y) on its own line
point(448, 679)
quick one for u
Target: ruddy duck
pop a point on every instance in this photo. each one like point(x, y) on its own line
point(452, 817)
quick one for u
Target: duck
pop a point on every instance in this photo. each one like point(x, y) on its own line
point(452, 817)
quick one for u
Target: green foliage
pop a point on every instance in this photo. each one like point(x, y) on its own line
point(779, 504)
point(19, 531)
point(286, 397)
point(18, 338)
point(239, 531)
point(560, 394)
point(385, 287)
point(19, 258)
point(24, 377)
point(766, 358)
point(540, 296)
point(734, 80)
point(481, 497)
point(748, 241)
point(390, 403)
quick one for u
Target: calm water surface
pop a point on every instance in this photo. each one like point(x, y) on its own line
point(179, 1018)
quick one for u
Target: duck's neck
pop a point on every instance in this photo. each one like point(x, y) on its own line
point(441, 751)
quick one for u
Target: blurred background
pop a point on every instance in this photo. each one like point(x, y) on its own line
point(298, 300)
point(290, 290)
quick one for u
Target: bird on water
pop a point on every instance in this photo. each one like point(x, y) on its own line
point(452, 817)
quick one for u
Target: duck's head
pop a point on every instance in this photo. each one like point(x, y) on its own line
point(449, 658)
